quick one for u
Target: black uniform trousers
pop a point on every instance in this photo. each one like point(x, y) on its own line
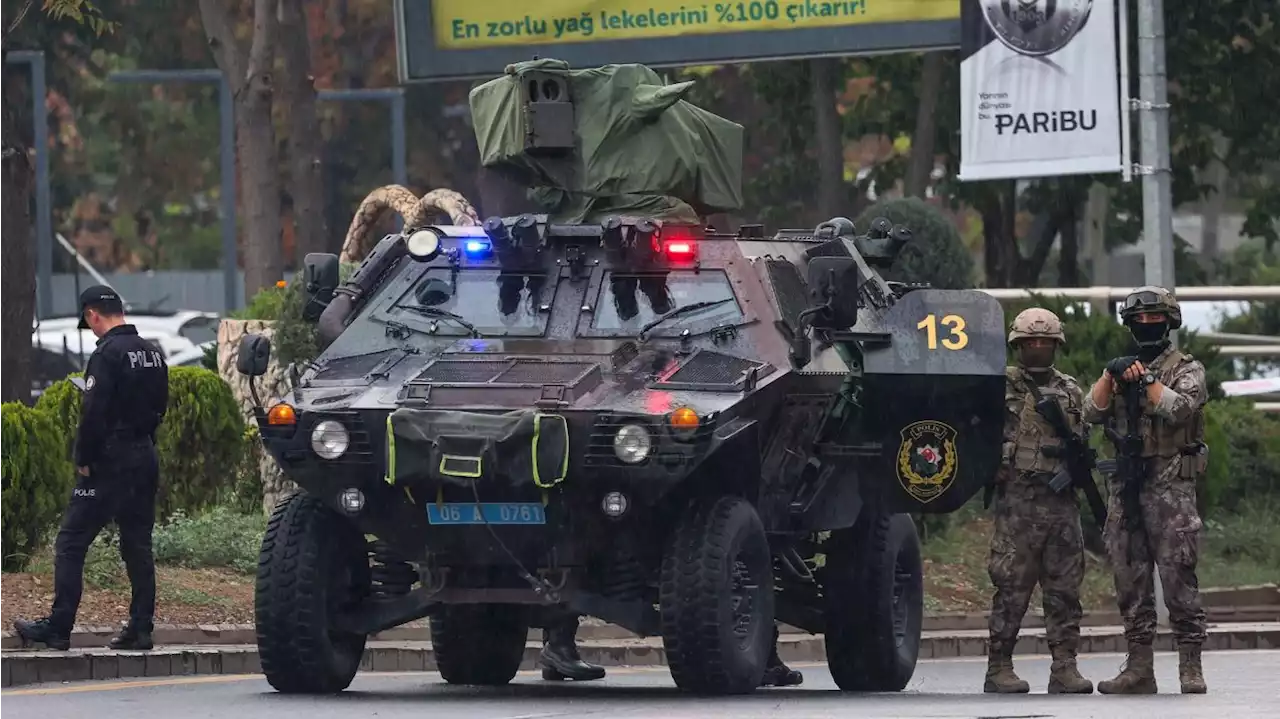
point(119, 488)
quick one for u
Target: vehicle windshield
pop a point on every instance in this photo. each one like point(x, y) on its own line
point(493, 301)
point(629, 301)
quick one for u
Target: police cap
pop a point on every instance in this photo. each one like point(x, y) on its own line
point(101, 298)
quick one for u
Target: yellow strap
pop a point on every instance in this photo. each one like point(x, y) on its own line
point(391, 453)
point(564, 469)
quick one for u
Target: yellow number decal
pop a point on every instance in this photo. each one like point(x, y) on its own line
point(957, 340)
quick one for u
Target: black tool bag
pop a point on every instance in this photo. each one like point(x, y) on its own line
point(444, 446)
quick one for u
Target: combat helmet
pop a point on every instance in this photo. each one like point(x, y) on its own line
point(1150, 298)
point(1036, 322)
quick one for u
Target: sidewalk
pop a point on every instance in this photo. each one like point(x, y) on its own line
point(22, 667)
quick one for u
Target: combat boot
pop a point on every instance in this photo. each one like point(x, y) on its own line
point(1190, 672)
point(1138, 675)
point(776, 672)
point(560, 659)
point(42, 631)
point(133, 636)
point(1001, 678)
point(1064, 676)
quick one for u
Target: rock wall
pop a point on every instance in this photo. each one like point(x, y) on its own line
point(271, 389)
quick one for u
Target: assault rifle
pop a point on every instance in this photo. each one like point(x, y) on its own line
point(1131, 468)
point(1080, 458)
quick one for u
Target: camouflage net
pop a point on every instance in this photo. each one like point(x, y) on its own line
point(413, 210)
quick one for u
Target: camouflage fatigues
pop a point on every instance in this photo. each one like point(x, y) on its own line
point(1170, 538)
point(1037, 536)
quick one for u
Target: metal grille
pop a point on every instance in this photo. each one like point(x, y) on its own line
point(712, 368)
point(789, 288)
point(463, 371)
point(527, 372)
point(355, 366)
point(512, 371)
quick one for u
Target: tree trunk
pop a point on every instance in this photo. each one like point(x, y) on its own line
point(826, 119)
point(925, 136)
point(298, 94)
point(1069, 248)
point(18, 271)
point(251, 85)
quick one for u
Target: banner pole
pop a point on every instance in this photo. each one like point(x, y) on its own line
point(1157, 196)
point(1126, 102)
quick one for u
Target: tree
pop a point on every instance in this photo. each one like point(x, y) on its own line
point(18, 272)
point(249, 71)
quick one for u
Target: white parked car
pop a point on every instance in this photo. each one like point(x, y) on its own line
point(195, 326)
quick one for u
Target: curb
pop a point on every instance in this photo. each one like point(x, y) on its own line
point(226, 634)
point(26, 667)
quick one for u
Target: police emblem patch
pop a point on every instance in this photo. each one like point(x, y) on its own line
point(927, 459)
point(89, 382)
point(1036, 27)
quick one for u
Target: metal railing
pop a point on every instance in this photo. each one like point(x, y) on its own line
point(1116, 294)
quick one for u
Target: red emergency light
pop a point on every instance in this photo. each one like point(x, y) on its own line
point(680, 243)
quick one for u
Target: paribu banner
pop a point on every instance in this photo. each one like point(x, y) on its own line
point(1039, 86)
point(445, 39)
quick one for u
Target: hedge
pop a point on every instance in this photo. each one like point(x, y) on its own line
point(202, 442)
point(37, 481)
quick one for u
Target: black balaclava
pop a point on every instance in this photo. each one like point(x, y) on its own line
point(1036, 359)
point(1152, 338)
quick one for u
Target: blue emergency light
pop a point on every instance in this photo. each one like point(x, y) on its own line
point(477, 247)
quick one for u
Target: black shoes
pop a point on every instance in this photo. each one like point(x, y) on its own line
point(132, 637)
point(41, 631)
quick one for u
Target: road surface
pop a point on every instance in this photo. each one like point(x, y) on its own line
point(1241, 685)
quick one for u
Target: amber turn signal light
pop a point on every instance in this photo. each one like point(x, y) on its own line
point(684, 418)
point(281, 414)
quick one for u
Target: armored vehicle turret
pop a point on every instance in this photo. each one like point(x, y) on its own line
point(612, 406)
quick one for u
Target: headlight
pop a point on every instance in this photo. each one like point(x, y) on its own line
point(330, 439)
point(632, 443)
point(423, 245)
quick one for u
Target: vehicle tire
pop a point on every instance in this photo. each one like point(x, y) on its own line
point(479, 644)
point(312, 563)
point(873, 587)
point(716, 598)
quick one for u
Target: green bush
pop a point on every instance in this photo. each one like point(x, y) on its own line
point(1244, 455)
point(37, 481)
point(219, 537)
point(201, 442)
point(294, 339)
point(936, 253)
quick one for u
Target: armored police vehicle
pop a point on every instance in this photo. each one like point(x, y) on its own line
point(614, 408)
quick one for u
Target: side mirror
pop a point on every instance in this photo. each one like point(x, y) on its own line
point(320, 279)
point(254, 355)
point(834, 283)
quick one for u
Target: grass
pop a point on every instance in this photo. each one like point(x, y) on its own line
point(1237, 550)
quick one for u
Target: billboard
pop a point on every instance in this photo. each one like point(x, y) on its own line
point(1039, 89)
point(464, 39)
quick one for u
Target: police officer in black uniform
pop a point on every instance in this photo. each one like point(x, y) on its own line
point(126, 391)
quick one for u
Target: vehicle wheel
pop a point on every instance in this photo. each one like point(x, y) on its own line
point(716, 598)
point(312, 563)
point(479, 644)
point(874, 590)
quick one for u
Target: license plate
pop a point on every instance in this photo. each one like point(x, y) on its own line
point(486, 513)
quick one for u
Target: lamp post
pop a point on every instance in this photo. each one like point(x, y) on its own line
point(34, 59)
point(227, 160)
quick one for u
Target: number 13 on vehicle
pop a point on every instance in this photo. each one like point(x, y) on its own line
point(956, 338)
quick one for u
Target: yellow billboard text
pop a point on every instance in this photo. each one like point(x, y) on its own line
point(474, 24)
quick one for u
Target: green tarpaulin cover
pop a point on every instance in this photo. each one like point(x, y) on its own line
point(640, 150)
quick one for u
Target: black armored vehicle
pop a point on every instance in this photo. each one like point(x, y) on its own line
point(614, 408)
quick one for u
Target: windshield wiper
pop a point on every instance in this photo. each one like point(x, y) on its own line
point(680, 311)
point(436, 313)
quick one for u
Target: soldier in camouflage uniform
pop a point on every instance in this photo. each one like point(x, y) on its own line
point(1037, 535)
point(1172, 427)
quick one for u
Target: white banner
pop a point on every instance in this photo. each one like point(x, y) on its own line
point(1039, 88)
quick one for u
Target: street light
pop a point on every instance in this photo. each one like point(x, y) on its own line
point(44, 215)
point(227, 158)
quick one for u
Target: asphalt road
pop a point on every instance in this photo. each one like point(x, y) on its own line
point(1241, 685)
